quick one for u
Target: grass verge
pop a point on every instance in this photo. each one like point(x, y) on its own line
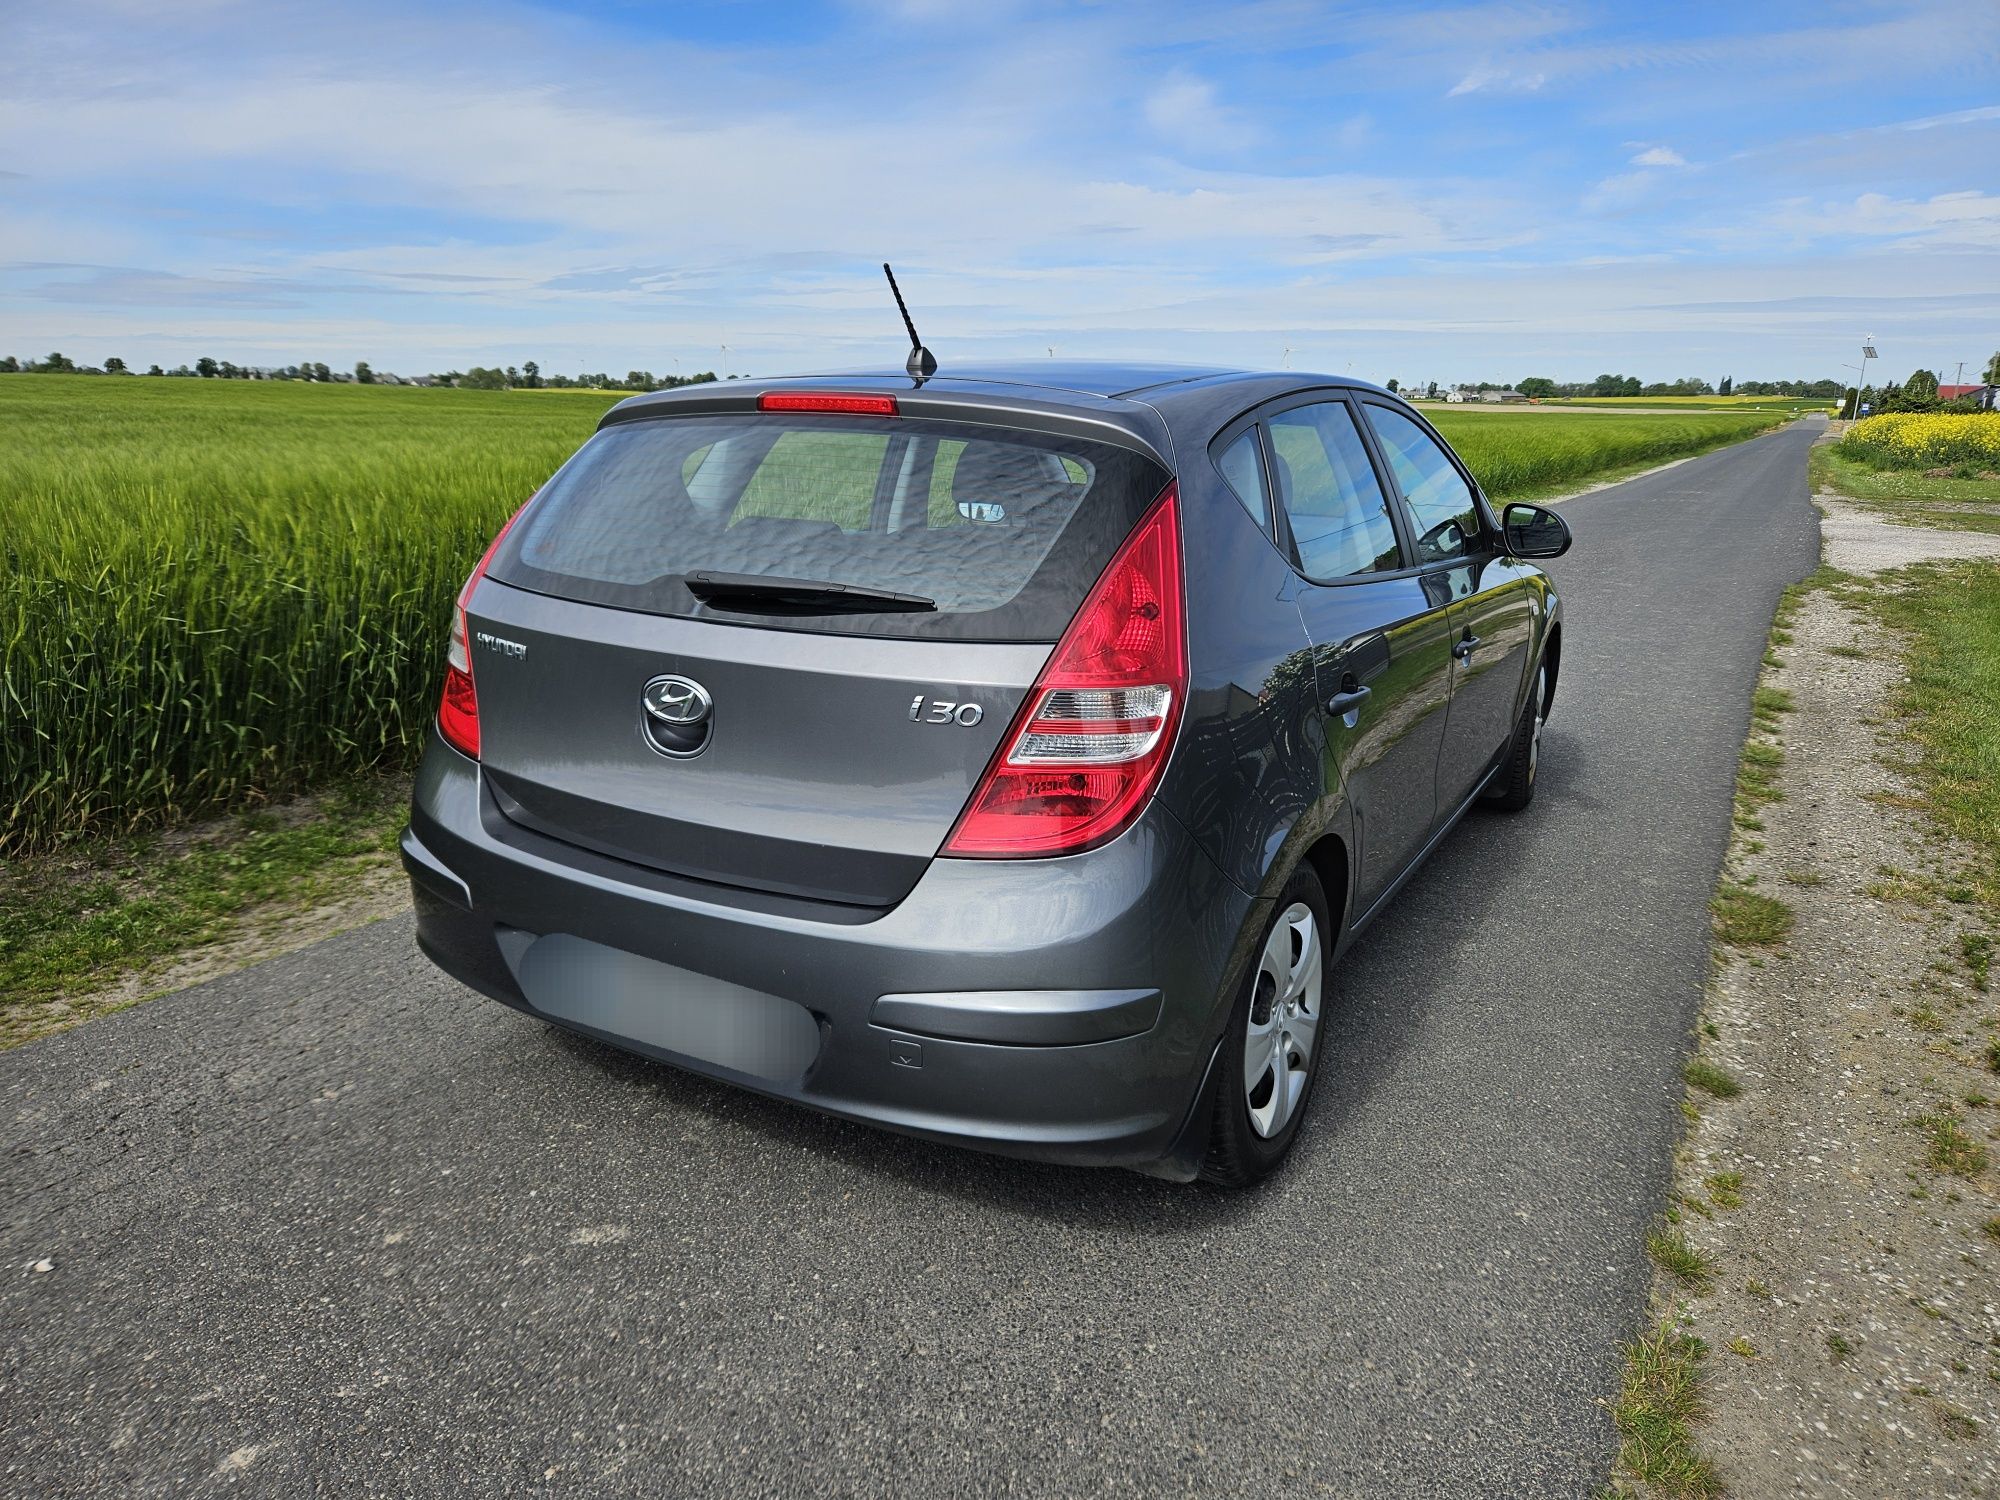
point(1908, 496)
point(1702, 1074)
point(1951, 700)
point(1659, 1404)
point(113, 911)
point(1747, 918)
point(1673, 1254)
point(1947, 1148)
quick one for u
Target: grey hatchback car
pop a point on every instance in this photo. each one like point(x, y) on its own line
point(1003, 758)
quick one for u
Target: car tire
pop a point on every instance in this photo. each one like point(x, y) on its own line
point(1514, 788)
point(1271, 1051)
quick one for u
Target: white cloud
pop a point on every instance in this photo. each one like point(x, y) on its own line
point(1965, 220)
point(1619, 193)
point(1659, 156)
point(1486, 77)
point(609, 183)
point(1976, 116)
point(1185, 110)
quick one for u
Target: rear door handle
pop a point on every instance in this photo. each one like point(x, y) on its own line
point(1347, 701)
point(1464, 649)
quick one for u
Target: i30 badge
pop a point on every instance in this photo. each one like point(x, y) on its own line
point(677, 714)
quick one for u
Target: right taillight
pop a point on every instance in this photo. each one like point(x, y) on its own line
point(458, 708)
point(1085, 753)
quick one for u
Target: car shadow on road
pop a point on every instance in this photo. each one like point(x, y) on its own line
point(1430, 955)
point(1040, 1189)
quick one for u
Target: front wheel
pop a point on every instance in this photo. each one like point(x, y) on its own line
point(1270, 1055)
point(1514, 788)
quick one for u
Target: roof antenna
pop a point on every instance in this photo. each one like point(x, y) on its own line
point(922, 364)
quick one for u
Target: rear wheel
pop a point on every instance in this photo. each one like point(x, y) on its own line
point(1270, 1054)
point(1514, 788)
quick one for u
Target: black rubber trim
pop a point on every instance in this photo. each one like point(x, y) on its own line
point(427, 870)
point(1022, 1018)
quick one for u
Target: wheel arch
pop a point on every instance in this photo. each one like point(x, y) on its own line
point(1552, 664)
point(1329, 860)
point(1328, 855)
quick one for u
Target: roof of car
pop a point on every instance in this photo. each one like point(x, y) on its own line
point(1151, 401)
point(1106, 379)
point(1088, 377)
point(1110, 379)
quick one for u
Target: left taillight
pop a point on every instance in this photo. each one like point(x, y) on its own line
point(458, 708)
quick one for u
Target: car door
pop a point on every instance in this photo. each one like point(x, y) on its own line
point(1381, 636)
point(1493, 608)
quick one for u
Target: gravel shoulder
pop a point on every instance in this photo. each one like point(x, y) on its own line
point(1842, 1204)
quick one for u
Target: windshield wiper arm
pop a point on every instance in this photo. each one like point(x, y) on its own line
point(762, 593)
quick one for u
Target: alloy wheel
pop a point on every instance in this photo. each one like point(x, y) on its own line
point(1284, 1020)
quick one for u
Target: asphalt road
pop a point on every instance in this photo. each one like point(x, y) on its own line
point(333, 1225)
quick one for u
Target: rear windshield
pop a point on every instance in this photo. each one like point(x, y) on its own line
point(1002, 530)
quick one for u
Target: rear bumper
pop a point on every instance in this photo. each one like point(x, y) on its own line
point(1063, 1009)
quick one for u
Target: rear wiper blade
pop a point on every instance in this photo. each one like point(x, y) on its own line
point(762, 593)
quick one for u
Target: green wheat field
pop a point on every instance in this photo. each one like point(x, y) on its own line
point(217, 591)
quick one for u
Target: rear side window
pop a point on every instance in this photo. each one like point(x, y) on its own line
point(1338, 513)
point(1443, 514)
point(1004, 530)
point(1242, 466)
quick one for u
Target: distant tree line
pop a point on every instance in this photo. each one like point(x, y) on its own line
point(1691, 385)
point(1918, 393)
point(528, 376)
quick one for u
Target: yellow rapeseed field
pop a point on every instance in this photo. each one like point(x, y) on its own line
point(1925, 440)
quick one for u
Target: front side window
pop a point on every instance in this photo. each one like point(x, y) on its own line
point(1443, 513)
point(1331, 497)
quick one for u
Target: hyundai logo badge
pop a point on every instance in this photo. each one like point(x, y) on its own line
point(676, 700)
point(677, 714)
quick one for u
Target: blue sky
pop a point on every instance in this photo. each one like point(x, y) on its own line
point(1421, 191)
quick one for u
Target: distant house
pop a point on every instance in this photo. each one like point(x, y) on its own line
point(1987, 396)
point(1456, 397)
point(1497, 396)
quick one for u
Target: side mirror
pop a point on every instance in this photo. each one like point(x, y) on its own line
point(1533, 531)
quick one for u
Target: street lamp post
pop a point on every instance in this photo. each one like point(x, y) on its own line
point(1867, 353)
